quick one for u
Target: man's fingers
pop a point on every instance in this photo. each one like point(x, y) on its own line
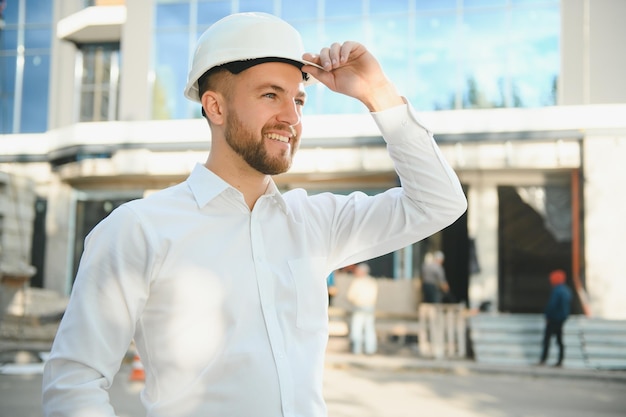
point(334, 56)
point(346, 49)
point(324, 58)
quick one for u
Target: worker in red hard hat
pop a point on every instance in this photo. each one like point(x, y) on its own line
point(221, 279)
point(556, 313)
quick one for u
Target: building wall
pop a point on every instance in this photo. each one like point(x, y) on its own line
point(17, 212)
point(60, 240)
point(483, 228)
point(592, 57)
point(605, 223)
point(136, 51)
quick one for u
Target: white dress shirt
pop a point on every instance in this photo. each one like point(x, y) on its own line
point(227, 306)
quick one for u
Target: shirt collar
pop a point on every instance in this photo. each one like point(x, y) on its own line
point(205, 185)
point(272, 191)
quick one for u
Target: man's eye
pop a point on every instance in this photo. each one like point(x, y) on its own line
point(269, 95)
point(299, 102)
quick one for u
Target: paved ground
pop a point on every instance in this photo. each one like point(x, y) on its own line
point(396, 386)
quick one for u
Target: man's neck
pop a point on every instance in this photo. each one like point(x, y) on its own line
point(251, 183)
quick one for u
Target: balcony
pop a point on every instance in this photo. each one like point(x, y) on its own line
point(99, 23)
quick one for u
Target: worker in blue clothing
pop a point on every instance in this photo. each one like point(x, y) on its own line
point(556, 313)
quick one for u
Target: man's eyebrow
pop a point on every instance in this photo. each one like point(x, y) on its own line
point(281, 90)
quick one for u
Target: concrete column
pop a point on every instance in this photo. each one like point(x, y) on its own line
point(135, 87)
point(592, 70)
point(60, 219)
point(483, 228)
point(605, 223)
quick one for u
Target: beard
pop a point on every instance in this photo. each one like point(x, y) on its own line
point(252, 150)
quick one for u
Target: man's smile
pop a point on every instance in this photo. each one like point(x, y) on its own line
point(276, 136)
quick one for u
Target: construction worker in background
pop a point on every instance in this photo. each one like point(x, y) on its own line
point(363, 294)
point(434, 282)
point(556, 313)
point(221, 279)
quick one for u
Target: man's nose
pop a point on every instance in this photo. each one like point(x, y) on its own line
point(290, 114)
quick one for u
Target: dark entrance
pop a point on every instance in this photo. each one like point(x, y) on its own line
point(38, 251)
point(88, 214)
point(534, 238)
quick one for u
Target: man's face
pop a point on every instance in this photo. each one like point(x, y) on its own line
point(263, 123)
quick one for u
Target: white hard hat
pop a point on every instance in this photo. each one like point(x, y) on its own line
point(242, 37)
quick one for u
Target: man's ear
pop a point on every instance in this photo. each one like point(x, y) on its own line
point(213, 105)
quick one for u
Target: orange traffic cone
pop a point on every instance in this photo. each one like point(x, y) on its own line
point(137, 373)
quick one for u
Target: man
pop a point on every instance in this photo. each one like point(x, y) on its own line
point(363, 294)
point(434, 282)
point(556, 313)
point(221, 280)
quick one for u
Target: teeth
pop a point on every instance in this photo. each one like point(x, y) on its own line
point(280, 138)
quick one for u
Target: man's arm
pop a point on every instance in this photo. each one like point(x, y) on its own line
point(98, 325)
point(430, 197)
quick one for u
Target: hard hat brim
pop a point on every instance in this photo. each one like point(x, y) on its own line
point(193, 94)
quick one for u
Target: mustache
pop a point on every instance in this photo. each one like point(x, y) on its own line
point(283, 127)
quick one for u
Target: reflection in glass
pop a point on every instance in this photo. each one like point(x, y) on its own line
point(172, 54)
point(7, 92)
point(485, 59)
point(10, 13)
point(435, 62)
point(25, 67)
point(483, 3)
point(211, 12)
point(172, 15)
point(8, 40)
point(422, 5)
point(390, 44)
point(389, 6)
point(343, 8)
point(339, 30)
point(37, 11)
point(256, 6)
point(38, 38)
point(291, 9)
point(535, 56)
point(35, 93)
point(442, 54)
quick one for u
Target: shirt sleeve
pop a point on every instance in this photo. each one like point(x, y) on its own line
point(430, 196)
point(107, 298)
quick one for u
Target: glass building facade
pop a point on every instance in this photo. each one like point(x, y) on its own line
point(25, 42)
point(442, 54)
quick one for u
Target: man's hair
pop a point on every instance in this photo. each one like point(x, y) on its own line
point(216, 79)
point(211, 80)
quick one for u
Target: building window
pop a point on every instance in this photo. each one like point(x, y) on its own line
point(98, 73)
point(25, 40)
point(442, 55)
